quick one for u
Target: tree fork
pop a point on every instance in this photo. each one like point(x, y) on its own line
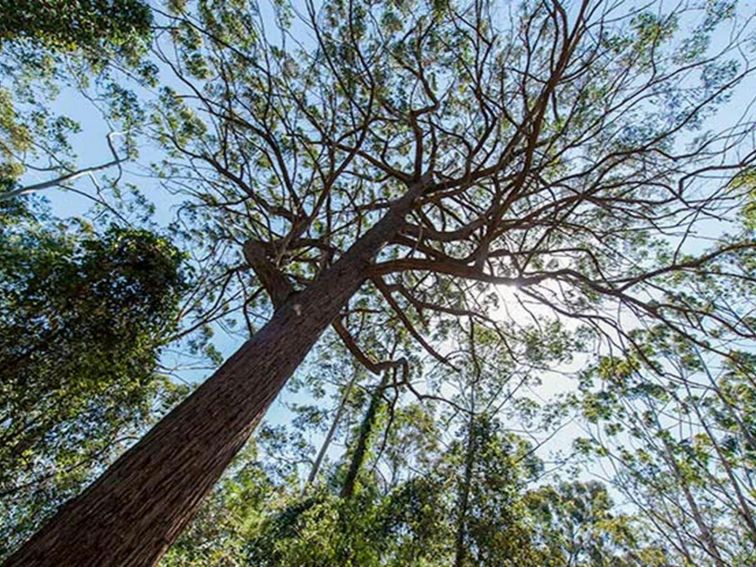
point(139, 506)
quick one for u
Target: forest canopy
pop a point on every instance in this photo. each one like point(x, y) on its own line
point(364, 283)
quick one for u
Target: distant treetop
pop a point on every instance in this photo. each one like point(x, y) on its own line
point(71, 25)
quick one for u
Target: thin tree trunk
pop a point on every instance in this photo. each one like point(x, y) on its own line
point(709, 544)
point(743, 508)
point(331, 432)
point(464, 492)
point(464, 497)
point(139, 506)
point(363, 437)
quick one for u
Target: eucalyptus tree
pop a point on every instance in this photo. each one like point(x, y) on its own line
point(395, 156)
point(495, 464)
point(577, 523)
point(252, 518)
point(673, 422)
point(677, 440)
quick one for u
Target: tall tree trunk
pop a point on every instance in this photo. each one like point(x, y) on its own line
point(465, 487)
point(708, 543)
point(363, 437)
point(331, 432)
point(464, 499)
point(139, 506)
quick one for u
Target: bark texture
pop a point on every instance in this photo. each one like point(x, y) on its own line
point(138, 507)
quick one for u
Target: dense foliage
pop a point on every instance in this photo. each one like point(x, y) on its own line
point(547, 362)
point(67, 25)
point(509, 521)
point(82, 320)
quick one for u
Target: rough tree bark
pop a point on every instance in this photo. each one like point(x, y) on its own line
point(139, 506)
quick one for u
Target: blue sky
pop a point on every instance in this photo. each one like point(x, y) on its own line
point(91, 147)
